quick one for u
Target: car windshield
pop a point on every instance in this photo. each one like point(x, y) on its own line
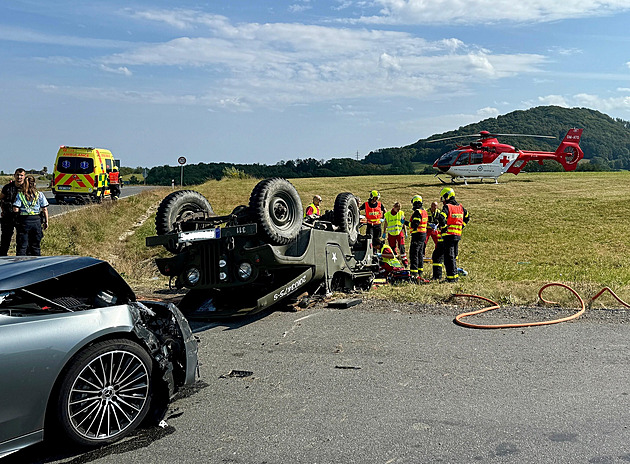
point(72, 165)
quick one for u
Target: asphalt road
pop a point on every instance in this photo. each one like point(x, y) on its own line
point(54, 209)
point(393, 384)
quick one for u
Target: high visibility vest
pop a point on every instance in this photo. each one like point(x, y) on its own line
point(393, 262)
point(373, 214)
point(28, 206)
point(454, 220)
point(114, 177)
point(315, 210)
point(422, 227)
point(395, 222)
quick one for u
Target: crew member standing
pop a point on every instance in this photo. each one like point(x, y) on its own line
point(312, 211)
point(8, 221)
point(29, 203)
point(418, 227)
point(114, 183)
point(452, 220)
point(432, 225)
point(374, 212)
point(395, 231)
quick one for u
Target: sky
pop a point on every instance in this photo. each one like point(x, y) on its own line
point(267, 81)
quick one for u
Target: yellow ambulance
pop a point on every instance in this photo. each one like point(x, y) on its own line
point(81, 174)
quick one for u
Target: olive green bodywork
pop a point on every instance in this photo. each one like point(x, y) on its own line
point(231, 271)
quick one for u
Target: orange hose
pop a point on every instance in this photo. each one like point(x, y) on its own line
point(459, 317)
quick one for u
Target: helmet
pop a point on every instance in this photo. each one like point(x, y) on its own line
point(115, 168)
point(416, 198)
point(375, 194)
point(447, 193)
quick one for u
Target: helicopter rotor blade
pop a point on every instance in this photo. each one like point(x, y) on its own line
point(487, 135)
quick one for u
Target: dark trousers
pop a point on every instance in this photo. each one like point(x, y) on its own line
point(451, 246)
point(416, 252)
point(7, 223)
point(438, 259)
point(374, 231)
point(29, 236)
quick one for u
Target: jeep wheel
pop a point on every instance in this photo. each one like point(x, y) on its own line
point(175, 208)
point(346, 216)
point(277, 208)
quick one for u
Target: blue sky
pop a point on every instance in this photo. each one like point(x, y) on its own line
point(259, 82)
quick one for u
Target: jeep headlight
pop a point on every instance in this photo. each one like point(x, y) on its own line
point(245, 270)
point(193, 275)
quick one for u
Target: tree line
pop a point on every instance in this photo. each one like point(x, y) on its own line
point(605, 142)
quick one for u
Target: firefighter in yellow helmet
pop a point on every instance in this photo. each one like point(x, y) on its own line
point(374, 213)
point(418, 228)
point(451, 221)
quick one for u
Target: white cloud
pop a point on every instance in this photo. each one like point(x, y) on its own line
point(120, 70)
point(280, 63)
point(605, 105)
point(488, 11)
point(556, 100)
point(488, 112)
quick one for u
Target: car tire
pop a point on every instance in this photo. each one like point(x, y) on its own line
point(346, 216)
point(105, 392)
point(277, 208)
point(177, 206)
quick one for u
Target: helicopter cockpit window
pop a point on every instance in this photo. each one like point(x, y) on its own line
point(462, 160)
point(476, 158)
point(447, 159)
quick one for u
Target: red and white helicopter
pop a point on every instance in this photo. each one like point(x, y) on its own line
point(487, 158)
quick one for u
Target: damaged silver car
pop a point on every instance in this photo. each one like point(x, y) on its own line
point(80, 356)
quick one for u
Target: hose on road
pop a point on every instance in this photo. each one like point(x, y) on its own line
point(494, 305)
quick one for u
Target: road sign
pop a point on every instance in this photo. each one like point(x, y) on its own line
point(181, 160)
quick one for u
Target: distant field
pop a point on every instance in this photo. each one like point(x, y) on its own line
point(525, 231)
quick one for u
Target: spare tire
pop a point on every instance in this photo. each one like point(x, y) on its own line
point(175, 208)
point(277, 208)
point(346, 216)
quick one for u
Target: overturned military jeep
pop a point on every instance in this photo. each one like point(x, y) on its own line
point(260, 254)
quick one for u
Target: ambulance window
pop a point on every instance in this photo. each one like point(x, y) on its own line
point(108, 165)
point(70, 165)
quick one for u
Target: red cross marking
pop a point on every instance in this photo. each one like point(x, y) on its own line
point(504, 160)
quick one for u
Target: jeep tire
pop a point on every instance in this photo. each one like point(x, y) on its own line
point(277, 208)
point(176, 207)
point(346, 216)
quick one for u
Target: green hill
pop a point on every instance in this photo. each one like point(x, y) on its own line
point(605, 142)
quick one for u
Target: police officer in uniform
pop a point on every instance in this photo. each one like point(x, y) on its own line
point(418, 226)
point(451, 221)
point(29, 203)
point(8, 222)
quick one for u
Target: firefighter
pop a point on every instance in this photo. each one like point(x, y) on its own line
point(312, 211)
point(452, 219)
point(395, 231)
point(418, 227)
point(8, 222)
point(114, 183)
point(374, 212)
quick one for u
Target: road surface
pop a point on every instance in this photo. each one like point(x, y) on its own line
point(390, 384)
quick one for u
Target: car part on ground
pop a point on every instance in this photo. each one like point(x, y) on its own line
point(80, 355)
point(260, 254)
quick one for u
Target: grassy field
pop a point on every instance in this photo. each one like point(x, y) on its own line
point(526, 231)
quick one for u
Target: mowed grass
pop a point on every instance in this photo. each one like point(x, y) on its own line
point(525, 231)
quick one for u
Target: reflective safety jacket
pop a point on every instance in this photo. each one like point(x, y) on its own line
point(114, 177)
point(374, 214)
point(419, 220)
point(393, 262)
point(453, 218)
point(311, 210)
point(395, 222)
